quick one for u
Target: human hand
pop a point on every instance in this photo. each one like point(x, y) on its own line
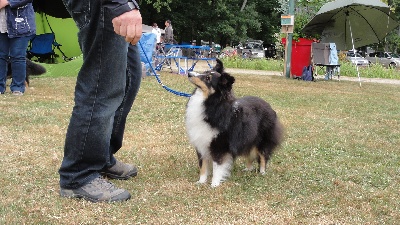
point(128, 25)
point(3, 3)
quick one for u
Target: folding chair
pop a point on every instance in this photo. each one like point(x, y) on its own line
point(42, 47)
point(161, 57)
point(166, 53)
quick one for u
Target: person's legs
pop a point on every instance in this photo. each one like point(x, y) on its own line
point(99, 92)
point(114, 169)
point(18, 48)
point(133, 80)
point(4, 52)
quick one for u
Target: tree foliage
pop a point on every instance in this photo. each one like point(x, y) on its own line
point(305, 11)
point(219, 21)
point(224, 21)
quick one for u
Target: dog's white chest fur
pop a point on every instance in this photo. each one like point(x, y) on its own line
point(199, 132)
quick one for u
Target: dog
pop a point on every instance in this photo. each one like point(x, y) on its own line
point(222, 127)
point(32, 68)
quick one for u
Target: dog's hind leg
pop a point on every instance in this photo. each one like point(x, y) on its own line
point(269, 145)
point(250, 159)
point(221, 171)
point(264, 156)
point(263, 163)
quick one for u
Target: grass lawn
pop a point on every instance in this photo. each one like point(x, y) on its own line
point(339, 163)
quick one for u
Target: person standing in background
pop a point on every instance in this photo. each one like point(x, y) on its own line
point(157, 32)
point(169, 33)
point(17, 28)
point(168, 39)
point(104, 94)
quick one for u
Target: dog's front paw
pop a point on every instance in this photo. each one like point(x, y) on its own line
point(202, 180)
point(215, 184)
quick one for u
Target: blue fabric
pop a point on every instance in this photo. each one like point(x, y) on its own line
point(20, 18)
point(104, 93)
point(148, 41)
point(13, 50)
point(205, 47)
point(42, 44)
point(119, 7)
point(307, 73)
point(133, 81)
point(333, 56)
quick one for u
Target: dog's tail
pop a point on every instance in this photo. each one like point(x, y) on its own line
point(278, 133)
point(34, 68)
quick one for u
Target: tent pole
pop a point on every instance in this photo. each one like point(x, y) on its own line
point(352, 42)
point(43, 24)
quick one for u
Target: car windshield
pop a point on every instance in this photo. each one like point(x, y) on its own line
point(387, 55)
point(352, 54)
point(253, 45)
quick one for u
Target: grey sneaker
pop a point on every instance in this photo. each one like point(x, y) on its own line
point(17, 93)
point(120, 171)
point(98, 190)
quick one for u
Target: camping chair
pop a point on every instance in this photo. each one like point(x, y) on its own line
point(42, 47)
point(166, 53)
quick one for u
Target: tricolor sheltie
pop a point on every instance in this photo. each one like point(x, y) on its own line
point(223, 127)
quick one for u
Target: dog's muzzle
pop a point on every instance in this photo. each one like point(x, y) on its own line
point(193, 74)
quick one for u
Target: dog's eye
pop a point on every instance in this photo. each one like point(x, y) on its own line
point(208, 78)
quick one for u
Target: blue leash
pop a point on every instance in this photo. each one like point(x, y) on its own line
point(159, 80)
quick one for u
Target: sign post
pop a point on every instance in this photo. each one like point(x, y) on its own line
point(287, 22)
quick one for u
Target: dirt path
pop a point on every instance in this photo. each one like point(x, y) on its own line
point(203, 66)
point(355, 79)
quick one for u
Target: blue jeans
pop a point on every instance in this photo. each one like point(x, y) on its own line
point(104, 93)
point(13, 50)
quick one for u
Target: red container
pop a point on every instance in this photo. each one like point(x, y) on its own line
point(301, 55)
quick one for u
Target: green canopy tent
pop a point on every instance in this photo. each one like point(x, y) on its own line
point(352, 23)
point(51, 16)
point(54, 8)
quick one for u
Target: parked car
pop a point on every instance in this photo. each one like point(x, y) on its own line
point(383, 58)
point(395, 55)
point(215, 50)
point(252, 49)
point(270, 50)
point(356, 59)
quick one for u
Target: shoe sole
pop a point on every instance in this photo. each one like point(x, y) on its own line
point(17, 93)
point(71, 194)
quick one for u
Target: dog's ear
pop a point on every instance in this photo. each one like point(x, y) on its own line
point(226, 81)
point(219, 67)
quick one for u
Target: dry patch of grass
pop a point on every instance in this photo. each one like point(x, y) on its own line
point(339, 163)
